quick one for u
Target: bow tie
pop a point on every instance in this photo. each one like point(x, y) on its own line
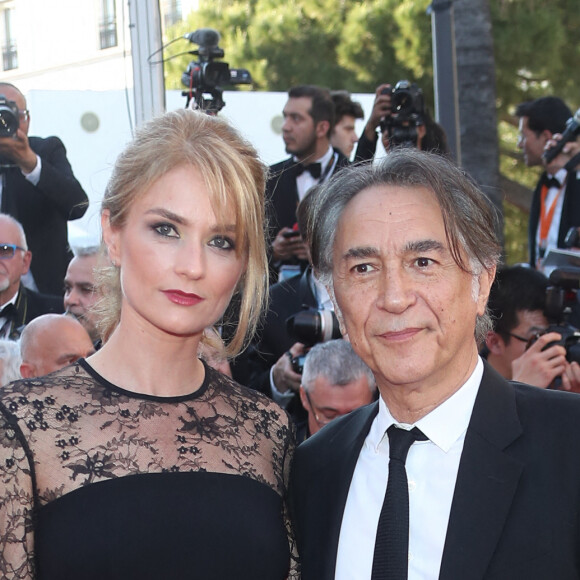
point(552, 182)
point(9, 312)
point(315, 169)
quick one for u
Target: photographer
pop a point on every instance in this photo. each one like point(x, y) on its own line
point(517, 304)
point(38, 189)
point(430, 136)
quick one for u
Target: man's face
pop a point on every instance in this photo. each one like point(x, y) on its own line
point(531, 144)
point(325, 401)
point(299, 130)
point(11, 269)
point(408, 308)
point(16, 96)
point(79, 291)
point(57, 346)
point(529, 324)
point(344, 136)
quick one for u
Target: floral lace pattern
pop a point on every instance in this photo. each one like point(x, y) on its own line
point(72, 429)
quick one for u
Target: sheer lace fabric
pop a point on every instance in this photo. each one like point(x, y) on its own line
point(65, 432)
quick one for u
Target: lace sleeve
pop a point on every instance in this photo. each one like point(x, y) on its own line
point(16, 502)
point(294, 573)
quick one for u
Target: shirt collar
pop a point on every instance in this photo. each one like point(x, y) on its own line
point(560, 175)
point(324, 160)
point(444, 425)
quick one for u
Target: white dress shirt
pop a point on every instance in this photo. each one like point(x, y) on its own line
point(305, 181)
point(431, 471)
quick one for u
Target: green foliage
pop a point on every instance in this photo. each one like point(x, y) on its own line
point(358, 44)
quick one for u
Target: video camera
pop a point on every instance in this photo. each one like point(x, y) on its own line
point(561, 295)
point(311, 326)
point(204, 77)
point(407, 113)
point(9, 117)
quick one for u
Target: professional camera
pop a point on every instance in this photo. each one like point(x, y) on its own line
point(407, 113)
point(561, 295)
point(9, 117)
point(204, 77)
point(311, 326)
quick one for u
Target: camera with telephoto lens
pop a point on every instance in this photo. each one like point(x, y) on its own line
point(204, 77)
point(407, 113)
point(311, 326)
point(561, 296)
point(9, 117)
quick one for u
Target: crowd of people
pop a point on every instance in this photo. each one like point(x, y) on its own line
point(316, 370)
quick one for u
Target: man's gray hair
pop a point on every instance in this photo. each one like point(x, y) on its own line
point(337, 362)
point(469, 218)
point(10, 356)
point(85, 251)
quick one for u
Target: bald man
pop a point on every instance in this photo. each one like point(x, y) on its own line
point(51, 342)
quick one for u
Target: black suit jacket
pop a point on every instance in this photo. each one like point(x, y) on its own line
point(570, 213)
point(30, 305)
point(44, 210)
point(282, 199)
point(516, 505)
point(286, 298)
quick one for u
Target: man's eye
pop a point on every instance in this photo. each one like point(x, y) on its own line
point(423, 262)
point(363, 268)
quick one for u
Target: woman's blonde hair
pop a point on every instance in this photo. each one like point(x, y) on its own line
point(235, 178)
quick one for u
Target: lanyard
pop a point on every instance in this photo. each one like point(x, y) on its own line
point(547, 215)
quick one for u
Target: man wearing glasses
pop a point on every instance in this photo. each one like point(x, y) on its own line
point(335, 381)
point(38, 188)
point(18, 304)
point(518, 346)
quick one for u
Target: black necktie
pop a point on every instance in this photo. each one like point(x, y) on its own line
point(390, 561)
point(9, 311)
point(315, 169)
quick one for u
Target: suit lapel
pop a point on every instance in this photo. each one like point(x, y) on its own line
point(486, 482)
point(346, 445)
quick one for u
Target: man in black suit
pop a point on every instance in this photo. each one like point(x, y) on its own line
point(39, 189)
point(18, 304)
point(308, 124)
point(491, 483)
point(556, 201)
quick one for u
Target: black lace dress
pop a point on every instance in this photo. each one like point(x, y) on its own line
point(102, 483)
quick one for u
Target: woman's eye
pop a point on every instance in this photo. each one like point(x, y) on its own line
point(165, 230)
point(222, 243)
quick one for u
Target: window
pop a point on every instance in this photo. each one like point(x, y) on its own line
point(171, 12)
point(9, 50)
point(108, 24)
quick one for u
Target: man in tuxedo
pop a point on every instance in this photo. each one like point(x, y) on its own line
point(454, 472)
point(556, 200)
point(18, 304)
point(38, 189)
point(308, 124)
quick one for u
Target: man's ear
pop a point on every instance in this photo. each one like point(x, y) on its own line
point(27, 371)
point(486, 279)
point(495, 343)
point(322, 128)
point(111, 238)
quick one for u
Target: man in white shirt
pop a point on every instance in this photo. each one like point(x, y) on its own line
point(408, 250)
point(556, 201)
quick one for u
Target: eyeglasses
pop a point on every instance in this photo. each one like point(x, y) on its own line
point(321, 420)
point(522, 338)
point(24, 115)
point(7, 251)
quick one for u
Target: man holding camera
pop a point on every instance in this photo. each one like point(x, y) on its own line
point(519, 347)
point(308, 123)
point(38, 189)
point(555, 205)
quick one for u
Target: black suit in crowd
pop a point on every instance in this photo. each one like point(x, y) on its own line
point(30, 305)
point(570, 213)
point(44, 210)
point(516, 505)
point(286, 299)
point(282, 196)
